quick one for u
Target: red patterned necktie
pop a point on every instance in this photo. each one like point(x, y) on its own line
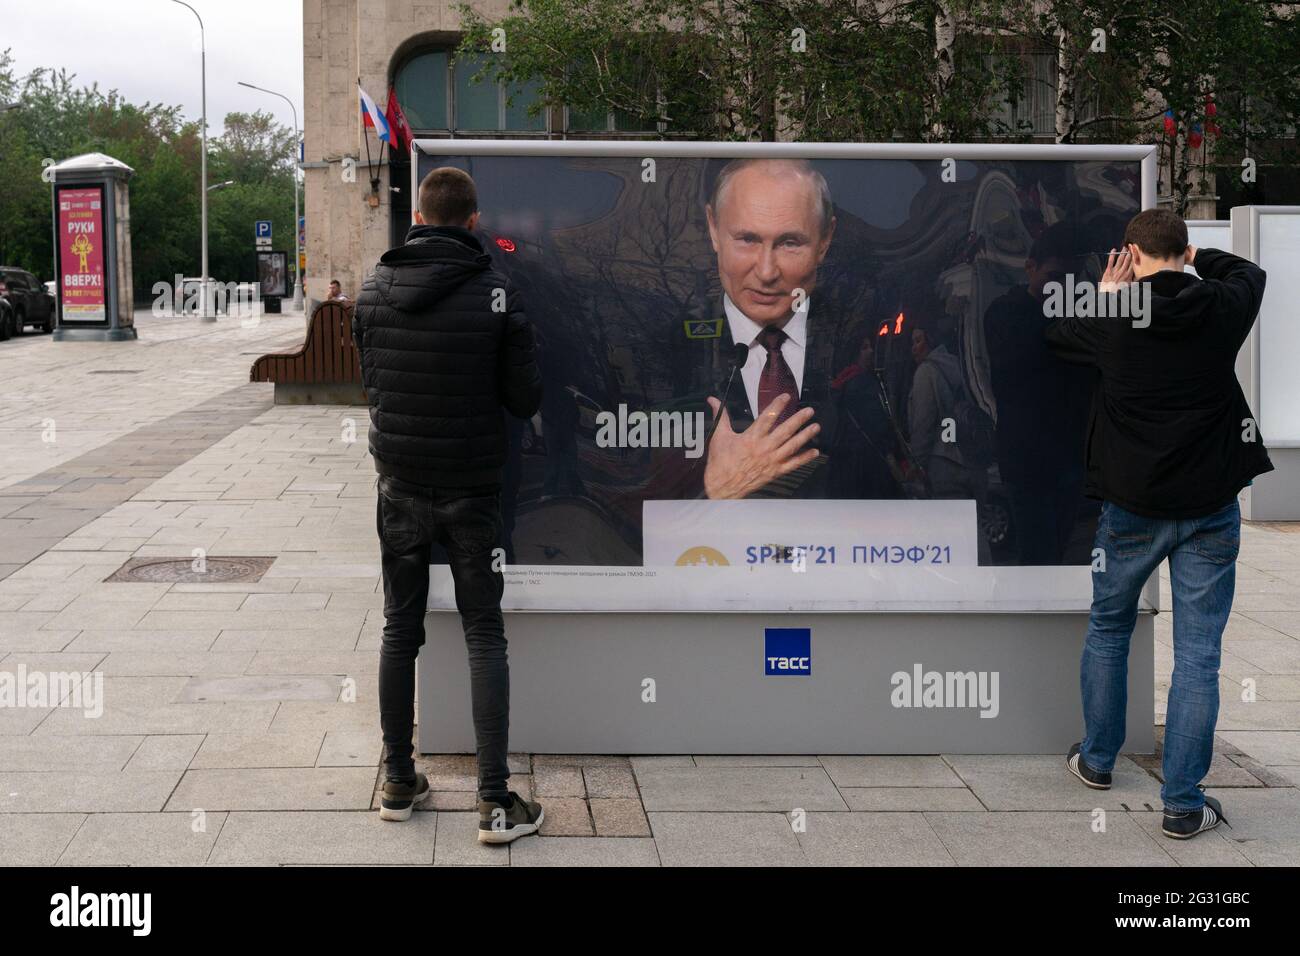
point(776, 379)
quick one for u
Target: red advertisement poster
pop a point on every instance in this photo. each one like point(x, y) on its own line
point(81, 254)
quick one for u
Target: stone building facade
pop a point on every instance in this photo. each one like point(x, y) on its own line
point(349, 225)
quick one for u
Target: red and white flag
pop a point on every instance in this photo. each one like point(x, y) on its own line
point(397, 122)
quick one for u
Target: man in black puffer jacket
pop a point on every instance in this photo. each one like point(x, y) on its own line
point(445, 352)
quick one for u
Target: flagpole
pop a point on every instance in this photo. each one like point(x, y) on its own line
point(370, 166)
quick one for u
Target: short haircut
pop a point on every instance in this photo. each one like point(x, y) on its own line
point(800, 167)
point(448, 197)
point(336, 282)
point(1157, 232)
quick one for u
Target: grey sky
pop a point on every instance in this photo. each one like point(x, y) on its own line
point(149, 49)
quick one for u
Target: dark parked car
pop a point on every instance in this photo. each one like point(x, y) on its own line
point(24, 301)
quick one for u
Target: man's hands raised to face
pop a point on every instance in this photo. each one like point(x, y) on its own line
point(1119, 271)
point(741, 463)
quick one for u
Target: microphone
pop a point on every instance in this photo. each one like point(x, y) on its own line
point(739, 356)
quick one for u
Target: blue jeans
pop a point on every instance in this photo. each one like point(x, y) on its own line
point(1202, 555)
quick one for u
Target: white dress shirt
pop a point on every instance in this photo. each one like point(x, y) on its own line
point(744, 331)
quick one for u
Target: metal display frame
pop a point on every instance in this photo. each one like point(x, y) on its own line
point(1274, 496)
point(579, 677)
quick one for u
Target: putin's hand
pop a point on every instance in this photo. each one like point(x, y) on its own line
point(740, 464)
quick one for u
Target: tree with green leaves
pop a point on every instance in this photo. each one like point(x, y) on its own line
point(56, 118)
point(256, 153)
point(1227, 71)
point(756, 69)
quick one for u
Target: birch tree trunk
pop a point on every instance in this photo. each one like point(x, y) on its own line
point(1066, 82)
point(945, 36)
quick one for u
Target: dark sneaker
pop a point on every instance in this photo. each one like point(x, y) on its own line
point(1096, 779)
point(401, 796)
point(499, 823)
point(1185, 824)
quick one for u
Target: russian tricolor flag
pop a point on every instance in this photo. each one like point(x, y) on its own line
point(373, 115)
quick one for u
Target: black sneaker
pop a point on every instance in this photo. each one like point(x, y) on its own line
point(401, 796)
point(499, 823)
point(1185, 824)
point(1095, 779)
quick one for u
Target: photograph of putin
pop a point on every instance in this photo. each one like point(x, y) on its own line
point(781, 428)
point(829, 328)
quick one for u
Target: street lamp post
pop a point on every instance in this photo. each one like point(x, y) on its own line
point(203, 164)
point(297, 251)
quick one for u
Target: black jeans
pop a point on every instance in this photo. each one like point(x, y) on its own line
point(410, 520)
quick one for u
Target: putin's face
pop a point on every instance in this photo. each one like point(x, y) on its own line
point(768, 235)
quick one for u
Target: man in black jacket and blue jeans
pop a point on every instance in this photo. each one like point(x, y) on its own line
point(445, 352)
point(1171, 443)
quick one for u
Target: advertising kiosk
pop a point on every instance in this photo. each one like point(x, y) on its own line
point(92, 249)
point(922, 584)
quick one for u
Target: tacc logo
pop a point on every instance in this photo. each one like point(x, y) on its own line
point(787, 652)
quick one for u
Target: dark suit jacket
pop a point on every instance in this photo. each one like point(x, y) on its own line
point(839, 470)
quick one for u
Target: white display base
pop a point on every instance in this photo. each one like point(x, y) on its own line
point(1275, 495)
point(578, 681)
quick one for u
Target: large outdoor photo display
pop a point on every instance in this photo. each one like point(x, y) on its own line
point(830, 366)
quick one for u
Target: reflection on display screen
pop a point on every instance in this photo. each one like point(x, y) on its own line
point(903, 311)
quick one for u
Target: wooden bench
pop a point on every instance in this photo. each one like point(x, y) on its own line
point(325, 370)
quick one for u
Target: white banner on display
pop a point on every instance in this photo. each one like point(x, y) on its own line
point(810, 533)
point(767, 555)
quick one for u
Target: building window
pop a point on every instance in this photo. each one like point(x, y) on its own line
point(1033, 109)
point(421, 86)
point(439, 94)
point(597, 121)
point(437, 90)
point(515, 103)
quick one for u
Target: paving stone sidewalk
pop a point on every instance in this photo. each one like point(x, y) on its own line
point(240, 719)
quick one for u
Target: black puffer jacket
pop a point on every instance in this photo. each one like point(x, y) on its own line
point(444, 347)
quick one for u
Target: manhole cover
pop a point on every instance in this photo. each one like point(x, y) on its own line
point(209, 570)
